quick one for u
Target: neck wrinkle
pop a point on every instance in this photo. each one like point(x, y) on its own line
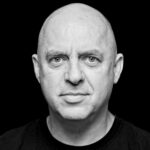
point(78, 138)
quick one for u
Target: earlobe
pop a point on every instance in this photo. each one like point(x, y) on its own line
point(118, 67)
point(36, 66)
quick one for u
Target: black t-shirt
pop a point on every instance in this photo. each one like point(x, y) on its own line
point(36, 136)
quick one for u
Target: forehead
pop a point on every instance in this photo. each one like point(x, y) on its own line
point(76, 27)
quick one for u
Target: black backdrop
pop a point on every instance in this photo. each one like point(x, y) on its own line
point(21, 99)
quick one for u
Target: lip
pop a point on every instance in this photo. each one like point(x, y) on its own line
point(74, 94)
point(74, 98)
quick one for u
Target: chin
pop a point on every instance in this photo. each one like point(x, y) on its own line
point(75, 113)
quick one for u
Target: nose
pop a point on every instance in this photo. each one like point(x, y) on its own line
point(74, 75)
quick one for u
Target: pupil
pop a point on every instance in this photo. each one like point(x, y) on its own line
point(57, 59)
point(92, 59)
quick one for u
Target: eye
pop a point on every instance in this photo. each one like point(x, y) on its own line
point(91, 60)
point(57, 61)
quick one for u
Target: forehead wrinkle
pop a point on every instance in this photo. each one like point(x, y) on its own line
point(75, 12)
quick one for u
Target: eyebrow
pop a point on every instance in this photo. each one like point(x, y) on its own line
point(54, 52)
point(94, 52)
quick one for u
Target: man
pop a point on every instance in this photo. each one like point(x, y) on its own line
point(76, 65)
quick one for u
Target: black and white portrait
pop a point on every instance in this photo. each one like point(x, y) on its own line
point(75, 75)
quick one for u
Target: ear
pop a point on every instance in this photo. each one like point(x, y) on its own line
point(36, 66)
point(118, 67)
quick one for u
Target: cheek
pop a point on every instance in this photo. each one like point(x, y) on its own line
point(50, 88)
point(96, 78)
point(50, 82)
point(101, 82)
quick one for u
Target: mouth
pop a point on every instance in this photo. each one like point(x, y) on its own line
point(74, 98)
point(74, 94)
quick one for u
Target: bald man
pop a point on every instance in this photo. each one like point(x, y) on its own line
point(77, 65)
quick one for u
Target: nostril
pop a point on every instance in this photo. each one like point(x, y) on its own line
point(74, 83)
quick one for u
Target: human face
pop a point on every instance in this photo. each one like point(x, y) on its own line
point(76, 72)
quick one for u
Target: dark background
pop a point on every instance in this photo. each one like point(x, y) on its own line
point(21, 98)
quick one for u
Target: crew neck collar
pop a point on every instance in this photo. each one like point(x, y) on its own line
point(50, 140)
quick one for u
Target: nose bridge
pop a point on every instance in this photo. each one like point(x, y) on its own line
point(74, 70)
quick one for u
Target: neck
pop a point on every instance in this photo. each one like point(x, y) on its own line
point(80, 133)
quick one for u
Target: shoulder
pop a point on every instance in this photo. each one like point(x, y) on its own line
point(134, 129)
point(13, 138)
point(135, 135)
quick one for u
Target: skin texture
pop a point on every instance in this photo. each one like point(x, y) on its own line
point(76, 66)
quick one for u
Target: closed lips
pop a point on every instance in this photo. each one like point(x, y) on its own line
point(74, 94)
point(74, 98)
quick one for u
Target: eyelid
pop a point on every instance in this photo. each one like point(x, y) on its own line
point(56, 56)
point(86, 56)
point(60, 56)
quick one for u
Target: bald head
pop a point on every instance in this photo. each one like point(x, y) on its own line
point(76, 21)
point(77, 53)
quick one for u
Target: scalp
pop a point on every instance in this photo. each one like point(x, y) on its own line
point(73, 13)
